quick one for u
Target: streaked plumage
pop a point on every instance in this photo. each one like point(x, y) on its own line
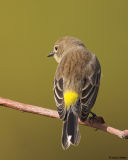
point(76, 85)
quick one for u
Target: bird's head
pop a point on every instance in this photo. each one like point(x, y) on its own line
point(63, 46)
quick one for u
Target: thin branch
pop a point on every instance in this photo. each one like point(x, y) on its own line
point(97, 123)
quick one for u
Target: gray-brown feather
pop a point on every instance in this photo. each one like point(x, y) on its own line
point(80, 71)
point(90, 91)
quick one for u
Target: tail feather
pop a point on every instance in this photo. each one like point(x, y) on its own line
point(65, 142)
point(70, 133)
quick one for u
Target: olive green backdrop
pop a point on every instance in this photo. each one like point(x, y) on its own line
point(28, 30)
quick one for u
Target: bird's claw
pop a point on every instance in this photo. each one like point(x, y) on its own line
point(95, 119)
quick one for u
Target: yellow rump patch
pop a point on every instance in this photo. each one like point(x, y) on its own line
point(70, 98)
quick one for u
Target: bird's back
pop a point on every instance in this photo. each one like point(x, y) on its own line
point(74, 67)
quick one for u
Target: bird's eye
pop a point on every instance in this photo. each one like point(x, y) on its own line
point(56, 48)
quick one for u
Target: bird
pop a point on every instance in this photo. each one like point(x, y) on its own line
point(76, 85)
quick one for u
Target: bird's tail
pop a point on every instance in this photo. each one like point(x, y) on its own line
point(70, 132)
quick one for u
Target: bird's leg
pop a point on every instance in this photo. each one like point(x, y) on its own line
point(93, 117)
point(96, 119)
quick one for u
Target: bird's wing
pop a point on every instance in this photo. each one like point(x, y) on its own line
point(59, 98)
point(89, 94)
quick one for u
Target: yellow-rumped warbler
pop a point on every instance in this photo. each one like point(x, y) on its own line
point(76, 85)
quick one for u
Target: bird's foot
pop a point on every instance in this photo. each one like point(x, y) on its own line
point(95, 119)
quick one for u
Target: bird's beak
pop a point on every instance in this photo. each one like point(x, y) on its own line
point(50, 54)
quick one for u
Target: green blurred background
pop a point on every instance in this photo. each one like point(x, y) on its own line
point(28, 30)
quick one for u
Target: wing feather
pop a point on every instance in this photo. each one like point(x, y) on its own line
point(59, 98)
point(89, 94)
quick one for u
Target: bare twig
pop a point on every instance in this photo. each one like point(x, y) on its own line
point(98, 123)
